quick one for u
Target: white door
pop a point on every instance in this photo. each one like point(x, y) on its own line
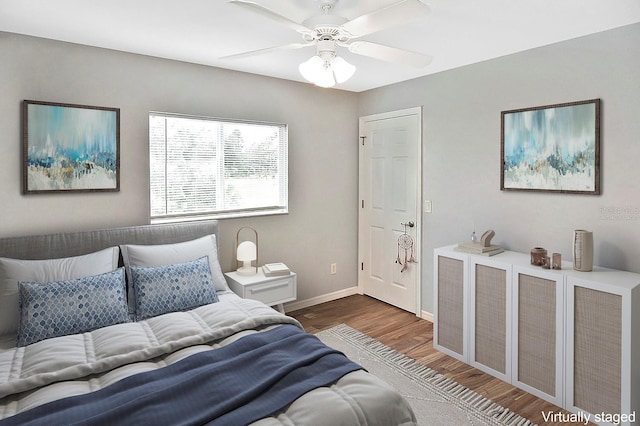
point(390, 200)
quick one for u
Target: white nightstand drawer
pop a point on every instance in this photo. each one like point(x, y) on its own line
point(268, 290)
point(272, 292)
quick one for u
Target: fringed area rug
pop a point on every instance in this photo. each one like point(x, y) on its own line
point(436, 400)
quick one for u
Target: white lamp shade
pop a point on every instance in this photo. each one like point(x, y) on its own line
point(311, 69)
point(325, 73)
point(342, 69)
point(247, 251)
point(325, 77)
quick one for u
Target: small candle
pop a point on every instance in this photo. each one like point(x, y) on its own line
point(545, 262)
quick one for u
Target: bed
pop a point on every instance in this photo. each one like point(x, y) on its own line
point(136, 325)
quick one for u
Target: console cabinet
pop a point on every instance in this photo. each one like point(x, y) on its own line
point(566, 336)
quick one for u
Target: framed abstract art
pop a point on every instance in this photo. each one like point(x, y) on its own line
point(70, 148)
point(553, 148)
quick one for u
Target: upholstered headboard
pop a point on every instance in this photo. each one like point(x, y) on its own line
point(77, 243)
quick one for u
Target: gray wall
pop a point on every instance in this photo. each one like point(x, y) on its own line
point(321, 226)
point(461, 155)
point(461, 113)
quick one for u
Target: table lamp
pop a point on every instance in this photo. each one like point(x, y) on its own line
point(246, 253)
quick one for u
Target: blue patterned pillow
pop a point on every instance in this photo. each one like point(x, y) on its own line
point(180, 287)
point(61, 308)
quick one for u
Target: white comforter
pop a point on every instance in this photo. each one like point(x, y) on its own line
point(77, 364)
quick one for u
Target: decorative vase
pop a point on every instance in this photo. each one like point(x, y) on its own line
point(582, 250)
point(537, 253)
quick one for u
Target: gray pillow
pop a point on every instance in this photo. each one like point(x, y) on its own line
point(169, 254)
point(14, 270)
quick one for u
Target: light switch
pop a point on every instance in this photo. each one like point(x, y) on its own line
point(428, 206)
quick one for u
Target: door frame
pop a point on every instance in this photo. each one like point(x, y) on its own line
point(418, 214)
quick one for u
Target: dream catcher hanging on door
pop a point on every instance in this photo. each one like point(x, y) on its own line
point(405, 247)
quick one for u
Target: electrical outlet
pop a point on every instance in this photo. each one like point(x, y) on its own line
point(334, 267)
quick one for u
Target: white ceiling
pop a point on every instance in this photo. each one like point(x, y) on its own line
point(456, 33)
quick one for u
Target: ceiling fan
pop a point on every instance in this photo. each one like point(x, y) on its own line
point(328, 31)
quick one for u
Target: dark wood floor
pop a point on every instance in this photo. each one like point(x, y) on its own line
point(413, 336)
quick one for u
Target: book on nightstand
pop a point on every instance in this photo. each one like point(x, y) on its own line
point(275, 269)
point(478, 248)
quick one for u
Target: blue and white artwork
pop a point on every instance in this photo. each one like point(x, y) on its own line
point(71, 148)
point(553, 148)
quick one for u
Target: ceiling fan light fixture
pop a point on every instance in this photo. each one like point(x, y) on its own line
point(325, 77)
point(342, 69)
point(328, 31)
point(326, 72)
point(311, 69)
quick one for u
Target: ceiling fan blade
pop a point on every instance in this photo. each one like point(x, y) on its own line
point(389, 54)
point(291, 46)
point(386, 17)
point(274, 16)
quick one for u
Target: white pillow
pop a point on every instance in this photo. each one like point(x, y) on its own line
point(68, 268)
point(169, 254)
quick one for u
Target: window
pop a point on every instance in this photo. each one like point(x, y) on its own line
point(202, 166)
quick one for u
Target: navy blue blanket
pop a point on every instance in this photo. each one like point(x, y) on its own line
point(252, 378)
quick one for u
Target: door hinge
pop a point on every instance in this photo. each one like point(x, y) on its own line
point(362, 266)
point(362, 203)
point(362, 138)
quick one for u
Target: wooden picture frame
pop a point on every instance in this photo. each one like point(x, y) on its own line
point(70, 148)
point(552, 148)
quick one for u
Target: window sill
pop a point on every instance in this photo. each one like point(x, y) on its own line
point(226, 215)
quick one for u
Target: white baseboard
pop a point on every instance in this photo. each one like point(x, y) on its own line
point(300, 304)
point(426, 315)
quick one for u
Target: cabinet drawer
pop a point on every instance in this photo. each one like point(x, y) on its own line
point(273, 292)
point(449, 329)
point(538, 332)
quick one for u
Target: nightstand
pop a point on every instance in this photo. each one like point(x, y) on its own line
point(268, 290)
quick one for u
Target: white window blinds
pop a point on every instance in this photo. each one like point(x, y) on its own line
point(202, 166)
